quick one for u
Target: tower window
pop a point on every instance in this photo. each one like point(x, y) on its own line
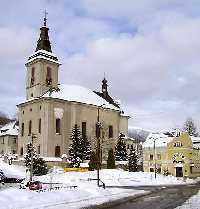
point(110, 134)
point(22, 130)
point(29, 127)
point(21, 151)
point(39, 126)
point(84, 130)
point(58, 124)
point(32, 76)
point(39, 149)
point(48, 77)
point(57, 151)
point(97, 131)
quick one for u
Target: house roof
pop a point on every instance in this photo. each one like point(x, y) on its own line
point(161, 140)
point(9, 129)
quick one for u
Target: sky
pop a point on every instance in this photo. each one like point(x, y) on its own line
point(148, 49)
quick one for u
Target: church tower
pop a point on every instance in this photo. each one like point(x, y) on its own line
point(42, 67)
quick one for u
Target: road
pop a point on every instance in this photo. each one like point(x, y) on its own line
point(160, 198)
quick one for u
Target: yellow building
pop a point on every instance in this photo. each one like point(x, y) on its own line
point(178, 156)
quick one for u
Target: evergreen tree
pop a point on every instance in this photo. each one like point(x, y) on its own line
point(190, 127)
point(132, 161)
point(39, 165)
point(120, 150)
point(86, 149)
point(93, 161)
point(76, 149)
point(111, 159)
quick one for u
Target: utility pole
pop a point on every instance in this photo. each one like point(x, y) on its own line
point(154, 146)
point(98, 148)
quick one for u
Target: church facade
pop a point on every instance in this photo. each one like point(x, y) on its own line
point(51, 110)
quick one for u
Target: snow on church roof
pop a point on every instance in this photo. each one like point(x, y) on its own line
point(81, 94)
point(9, 129)
point(161, 140)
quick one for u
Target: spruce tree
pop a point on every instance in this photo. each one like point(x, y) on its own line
point(76, 148)
point(132, 161)
point(120, 150)
point(111, 159)
point(39, 165)
point(86, 149)
point(93, 161)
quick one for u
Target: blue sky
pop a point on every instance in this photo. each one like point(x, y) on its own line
point(149, 50)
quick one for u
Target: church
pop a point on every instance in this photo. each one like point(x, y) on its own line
point(51, 110)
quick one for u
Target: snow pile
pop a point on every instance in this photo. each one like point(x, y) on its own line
point(87, 193)
point(75, 93)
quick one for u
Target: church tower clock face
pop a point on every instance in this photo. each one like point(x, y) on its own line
point(178, 158)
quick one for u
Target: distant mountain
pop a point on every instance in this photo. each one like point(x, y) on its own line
point(138, 133)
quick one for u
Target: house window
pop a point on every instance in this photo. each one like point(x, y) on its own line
point(58, 123)
point(39, 126)
point(158, 156)
point(22, 130)
point(32, 76)
point(21, 151)
point(29, 127)
point(48, 77)
point(151, 157)
point(57, 151)
point(97, 131)
point(159, 170)
point(110, 133)
point(84, 130)
point(2, 141)
point(14, 141)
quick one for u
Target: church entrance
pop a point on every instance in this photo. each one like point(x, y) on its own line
point(179, 172)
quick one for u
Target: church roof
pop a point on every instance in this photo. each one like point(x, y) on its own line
point(80, 94)
point(9, 129)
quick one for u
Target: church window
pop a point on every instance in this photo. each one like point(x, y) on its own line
point(57, 151)
point(151, 170)
point(84, 129)
point(97, 131)
point(22, 130)
point(40, 107)
point(110, 132)
point(31, 94)
point(21, 151)
point(39, 126)
point(30, 109)
point(48, 77)
point(23, 112)
point(29, 127)
point(32, 76)
point(58, 125)
point(151, 157)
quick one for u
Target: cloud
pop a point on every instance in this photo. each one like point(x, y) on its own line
point(148, 49)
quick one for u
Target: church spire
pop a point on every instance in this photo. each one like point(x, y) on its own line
point(104, 86)
point(43, 42)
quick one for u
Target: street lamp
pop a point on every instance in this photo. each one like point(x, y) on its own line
point(98, 126)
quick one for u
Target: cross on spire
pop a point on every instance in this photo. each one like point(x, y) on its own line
point(45, 17)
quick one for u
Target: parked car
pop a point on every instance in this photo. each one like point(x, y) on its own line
point(35, 185)
point(5, 179)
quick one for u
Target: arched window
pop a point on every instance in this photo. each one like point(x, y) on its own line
point(29, 127)
point(21, 151)
point(57, 151)
point(39, 149)
point(22, 130)
point(32, 76)
point(58, 125)
point(39, 126)
point(48, 77)
point(110, 132)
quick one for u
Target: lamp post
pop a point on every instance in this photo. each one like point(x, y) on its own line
point(98, 126)
point(31, 166)
point(154, 147)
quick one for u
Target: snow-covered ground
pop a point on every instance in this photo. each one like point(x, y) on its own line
point(86, 193)
point(191, 203)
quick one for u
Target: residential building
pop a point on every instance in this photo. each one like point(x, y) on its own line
point(178, 156)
